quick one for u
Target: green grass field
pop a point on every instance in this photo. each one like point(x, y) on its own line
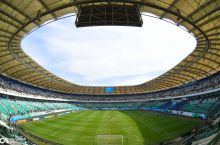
point(137, 127)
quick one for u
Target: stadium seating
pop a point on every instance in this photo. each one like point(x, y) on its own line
point(153, 105)
point(191, 88)
point(178, 105)
point(11, 107)
point(207, 131)
point(201, 105)
point(13, 135)
point(110, 106)
point(166, 105)
point(216, 114)
point(205, 84)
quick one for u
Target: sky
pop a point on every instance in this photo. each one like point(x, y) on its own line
point(108, 55)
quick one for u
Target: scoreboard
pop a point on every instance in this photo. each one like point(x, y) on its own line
point(109, 89)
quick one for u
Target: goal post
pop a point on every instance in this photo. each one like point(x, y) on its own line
point(109, 140)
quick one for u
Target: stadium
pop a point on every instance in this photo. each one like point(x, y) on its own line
point(179, 107)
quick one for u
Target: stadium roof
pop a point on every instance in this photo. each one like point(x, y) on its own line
point(199, 17)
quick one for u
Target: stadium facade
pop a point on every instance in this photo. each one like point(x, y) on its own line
point(191, 88)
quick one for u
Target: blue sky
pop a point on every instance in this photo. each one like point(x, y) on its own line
point(108, 56)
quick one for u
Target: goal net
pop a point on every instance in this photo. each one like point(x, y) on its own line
point(109, 140)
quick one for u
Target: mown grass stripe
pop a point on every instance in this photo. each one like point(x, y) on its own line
point(137, 127)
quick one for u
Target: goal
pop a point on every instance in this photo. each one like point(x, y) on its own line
point(109, 140)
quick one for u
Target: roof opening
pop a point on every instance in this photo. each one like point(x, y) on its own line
point(109, 55)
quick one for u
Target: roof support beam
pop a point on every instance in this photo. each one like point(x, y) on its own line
point(47, 8)
point(211, 40)
point(161, 85)
point(172, 80)
point(51, 85)
point(33, 77)
point(212, 29)
point(212, 48)
point(17, 38)
point(202, 64)
point(201, 8)
point(162, 80)
point(198, 71)
point(12, 24)
point(17, 10)
point(7, 54)
point(3, 41)
point(11, 67)
point(11, 17)
point(170, 7)
point(208, 21)
point(212, 60)
point(184, 75)
point(6, 31)
point(207, 14)
point(42, 82)
point(176, 76)
point(5, 62)
point(21, 72)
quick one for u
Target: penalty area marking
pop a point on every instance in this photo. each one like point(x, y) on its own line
point(138, 139)
point(86, 138)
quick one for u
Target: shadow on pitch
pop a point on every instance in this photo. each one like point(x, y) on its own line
point(149, 133)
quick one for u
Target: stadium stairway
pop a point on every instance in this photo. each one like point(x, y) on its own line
point(166, 105)
point(179, 105)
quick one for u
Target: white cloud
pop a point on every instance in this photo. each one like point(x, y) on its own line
point(100, 55)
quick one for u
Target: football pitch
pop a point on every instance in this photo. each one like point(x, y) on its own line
point(111, 127)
